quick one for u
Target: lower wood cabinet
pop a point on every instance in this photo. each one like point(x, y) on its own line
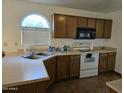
point(50, 65)
point(103, 60)
point(106, 62)
point(111, 61)
point(110, 90)
point(39, 87)
point(8, 91)
point(74, 66)
point(68, 66)
point(62, 67)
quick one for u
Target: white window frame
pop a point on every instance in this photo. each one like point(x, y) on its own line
point(35, 29)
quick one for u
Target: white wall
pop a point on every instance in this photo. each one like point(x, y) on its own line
point(15, 10)
point(116, 38)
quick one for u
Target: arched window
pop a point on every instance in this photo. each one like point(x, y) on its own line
point(35, 30)
point(35, 21)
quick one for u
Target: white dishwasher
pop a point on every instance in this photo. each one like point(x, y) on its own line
point(89, 64)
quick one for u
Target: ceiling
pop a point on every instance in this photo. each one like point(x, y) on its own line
point(90, 5)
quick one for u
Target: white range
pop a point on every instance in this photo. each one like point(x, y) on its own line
point(88, 61)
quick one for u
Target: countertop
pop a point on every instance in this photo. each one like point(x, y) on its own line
point(17, 70)
point(116, 85)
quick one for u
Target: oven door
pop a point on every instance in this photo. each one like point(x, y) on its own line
point(89, 61)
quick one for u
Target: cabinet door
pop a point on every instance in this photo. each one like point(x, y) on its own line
point(50, 65)
point(8, 90)
point(74, 66)
point(37, 87)
point(91, 23)
point(82, 22)
point(27, 88)
point(59, 26)
point(108, 28)
point(111, 61)
point(71, 26)
point(103, 62)
point(99, 28)
point(62, 67)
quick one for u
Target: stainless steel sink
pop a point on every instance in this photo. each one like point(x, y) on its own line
point(41, 54)
point(37, 55)
point(44, 53)
point(32, 57)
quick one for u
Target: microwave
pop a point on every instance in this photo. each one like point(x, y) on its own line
point(86, 33)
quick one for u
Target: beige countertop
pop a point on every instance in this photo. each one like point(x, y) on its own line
point(17, 70)
point(116, 85)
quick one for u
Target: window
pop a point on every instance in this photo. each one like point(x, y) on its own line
point(35, 30)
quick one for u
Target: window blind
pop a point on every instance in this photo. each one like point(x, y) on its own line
point(35, 37)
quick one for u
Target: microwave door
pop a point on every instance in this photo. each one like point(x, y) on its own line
point(84, 35)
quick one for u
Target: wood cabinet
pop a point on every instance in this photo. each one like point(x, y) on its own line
point(37, 87)
point(68, 66)
point(62, 67)
point(8, 90)
point(71, 26)
point(108, 29)
point(103, 28)
point(91, 23)
point(110, 90)
point(103, 61)
point(59, 26)
point(74, 66)
point(99, 28)
point(50, 65)
point(106, 62)
point(64, 26)
point(111, 61)
point(82, 22)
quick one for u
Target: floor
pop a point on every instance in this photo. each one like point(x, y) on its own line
point(95, 84)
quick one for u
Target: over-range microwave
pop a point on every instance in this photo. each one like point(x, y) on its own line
point(86, 33)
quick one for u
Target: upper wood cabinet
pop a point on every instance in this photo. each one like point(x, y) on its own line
point(82, 22)
point(91, 23)
point(74, 66)
point(108, 29)
point(59, 26)
point(99, 28)
point(71, 26)
point(65, 26)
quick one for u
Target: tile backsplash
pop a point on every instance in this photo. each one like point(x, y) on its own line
point(61, 42)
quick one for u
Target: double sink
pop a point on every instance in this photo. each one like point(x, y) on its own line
point(37, 55)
